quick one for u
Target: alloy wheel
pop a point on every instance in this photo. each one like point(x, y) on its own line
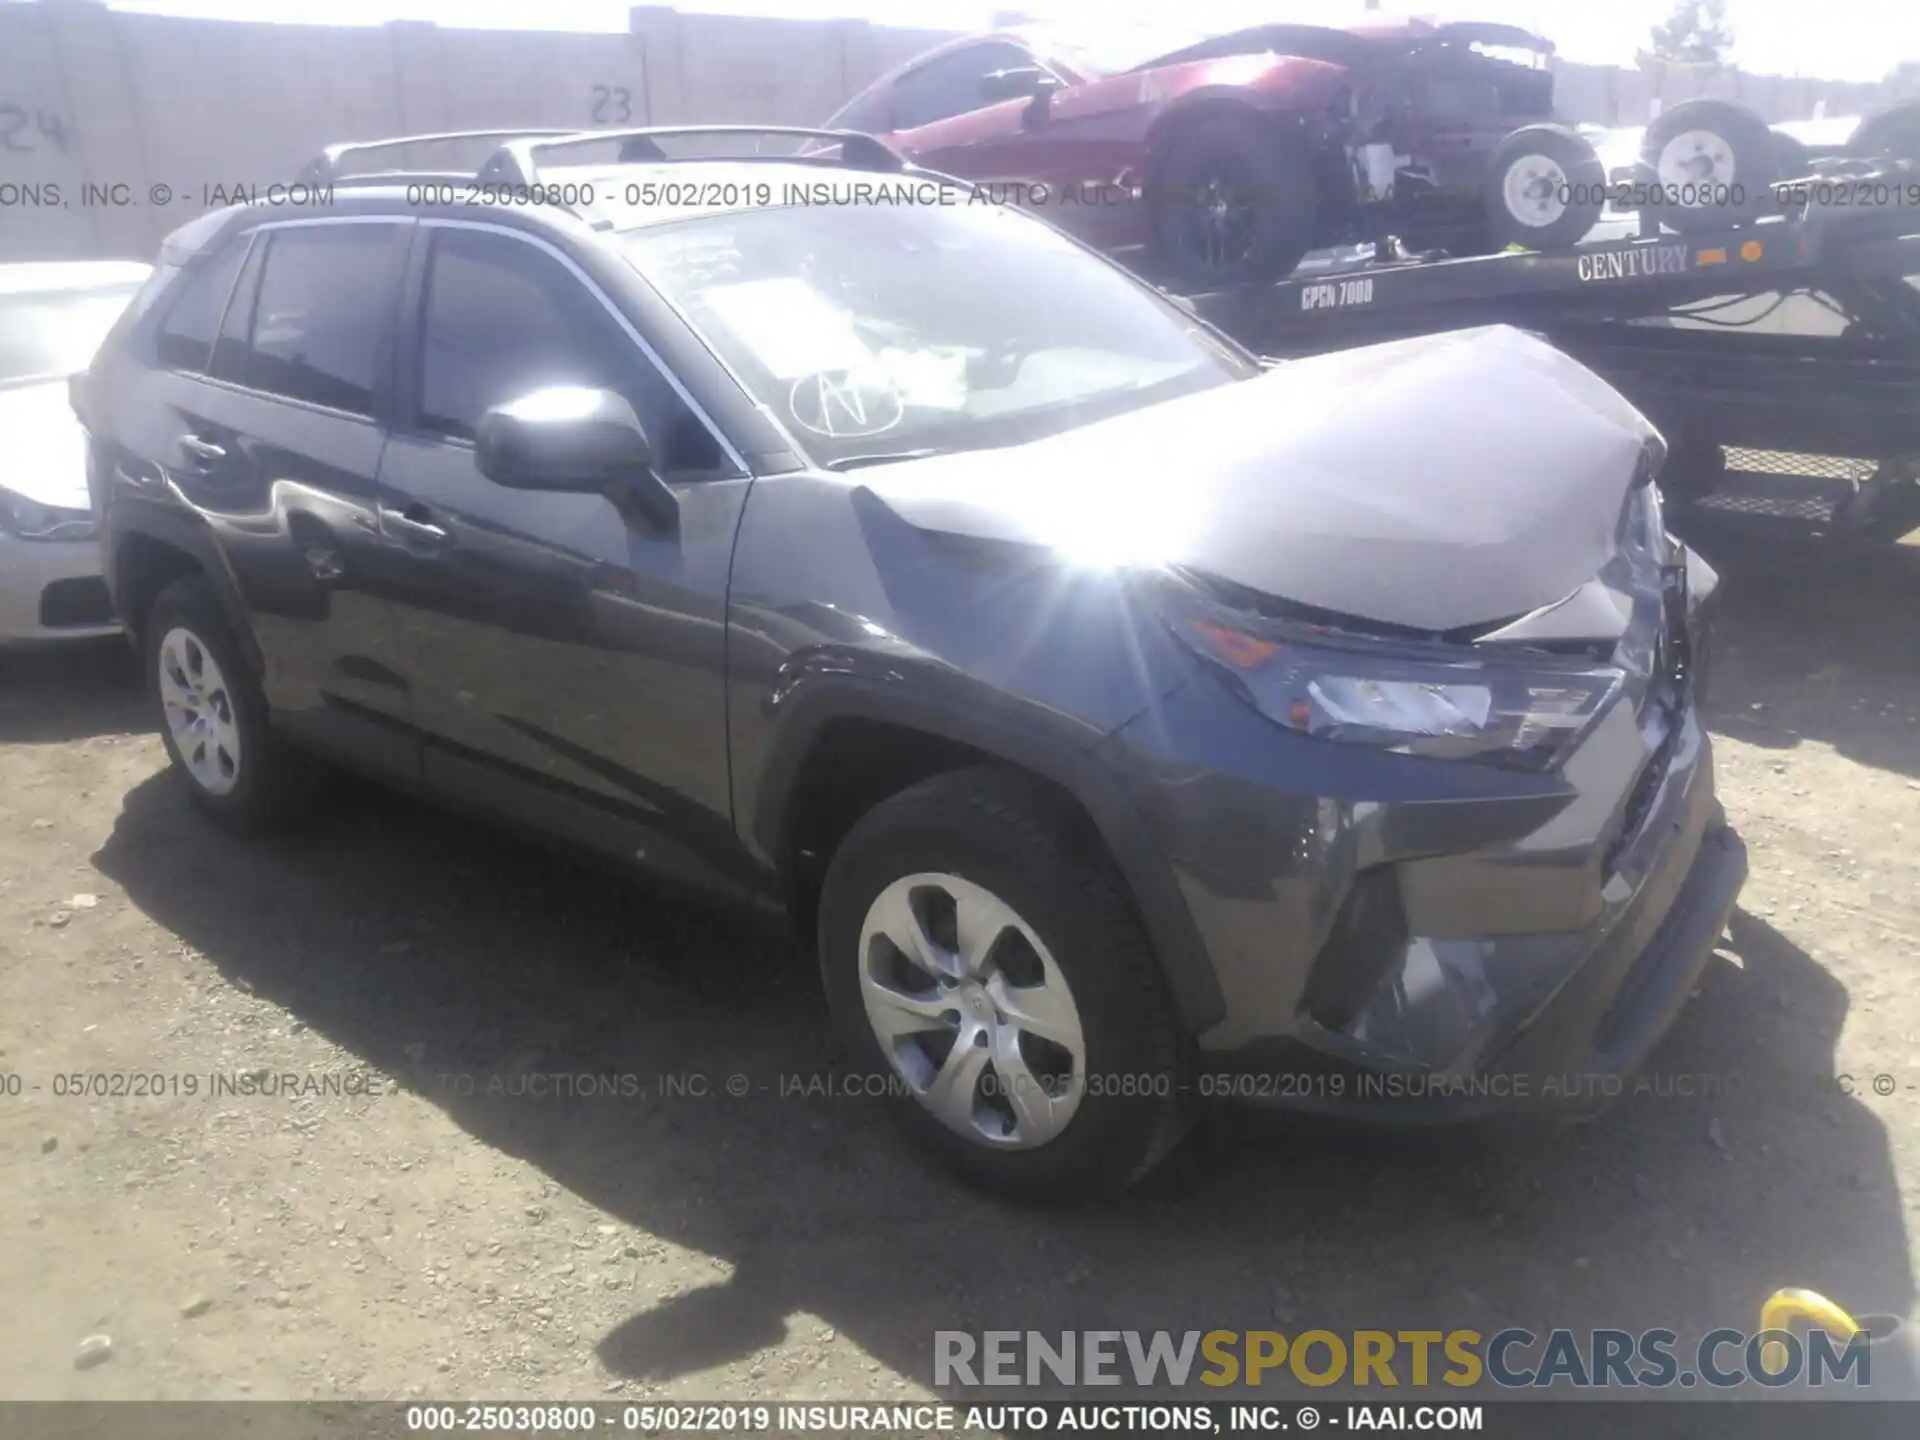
point(1221, 220)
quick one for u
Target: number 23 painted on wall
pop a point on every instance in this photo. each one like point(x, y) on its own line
point(612, 105)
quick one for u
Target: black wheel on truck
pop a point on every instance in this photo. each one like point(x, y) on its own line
point(1545, 188)
point(1893, 133)
point(1791, 161)
point(1234, 202)
point(1709, 164)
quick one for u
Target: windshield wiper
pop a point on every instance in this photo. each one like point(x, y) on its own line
point(855, 462)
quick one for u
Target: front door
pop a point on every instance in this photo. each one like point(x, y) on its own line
point(565, 658)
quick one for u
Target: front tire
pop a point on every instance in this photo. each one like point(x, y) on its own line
point(1235, 203)
point(981, 960)
point(213, 717)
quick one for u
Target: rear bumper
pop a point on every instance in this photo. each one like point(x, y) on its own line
point(52, 591)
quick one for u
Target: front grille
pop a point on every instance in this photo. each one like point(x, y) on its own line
point(1670, 689)
point(75, 602)
point(1640, 799)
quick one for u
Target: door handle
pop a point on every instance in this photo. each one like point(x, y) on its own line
point(415, 522)
point(204, 451)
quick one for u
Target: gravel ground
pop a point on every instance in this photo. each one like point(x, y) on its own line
point(444, 1220)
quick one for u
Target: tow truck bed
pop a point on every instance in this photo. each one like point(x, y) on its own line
point(1780, 358)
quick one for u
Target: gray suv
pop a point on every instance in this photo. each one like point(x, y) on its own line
point(1131, 723)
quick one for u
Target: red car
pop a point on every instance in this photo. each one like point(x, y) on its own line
point(1228, 159)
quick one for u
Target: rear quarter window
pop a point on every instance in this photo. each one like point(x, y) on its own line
point(191, 318)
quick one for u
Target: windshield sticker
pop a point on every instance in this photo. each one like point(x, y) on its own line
point(846, 404)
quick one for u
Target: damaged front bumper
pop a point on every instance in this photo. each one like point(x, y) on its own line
point(1418, 940)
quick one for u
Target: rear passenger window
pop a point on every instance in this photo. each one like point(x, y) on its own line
point(187, 328)
point(501, 319)
point(319, 312)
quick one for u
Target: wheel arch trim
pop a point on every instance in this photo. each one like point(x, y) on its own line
point(181, 534)
point(1008, 736)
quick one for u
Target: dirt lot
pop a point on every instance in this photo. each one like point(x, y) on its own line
point(432, 1237)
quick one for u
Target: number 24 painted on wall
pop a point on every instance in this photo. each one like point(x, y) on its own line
point(612, 105)
point(21, 130)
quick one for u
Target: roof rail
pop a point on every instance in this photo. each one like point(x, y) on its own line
point(326, 167)
point(398, 177)
point(517, 161)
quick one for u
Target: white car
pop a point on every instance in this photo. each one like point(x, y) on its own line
point(53, 316)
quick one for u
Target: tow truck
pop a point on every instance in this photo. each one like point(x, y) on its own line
point(1779, 355)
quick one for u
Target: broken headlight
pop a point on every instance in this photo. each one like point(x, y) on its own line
point(1416, 696)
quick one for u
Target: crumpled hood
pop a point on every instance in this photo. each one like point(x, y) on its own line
point(1447, 481)
point(45, 454)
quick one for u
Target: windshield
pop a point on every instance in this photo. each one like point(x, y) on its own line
point(881, 332)
point(1116, 50)
point(47, 336)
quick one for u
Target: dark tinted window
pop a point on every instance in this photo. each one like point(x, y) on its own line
point(952, 84)
point(866, 112)
point(230, 349)
point(503, 318)
point(186, 331)
point(317, 319)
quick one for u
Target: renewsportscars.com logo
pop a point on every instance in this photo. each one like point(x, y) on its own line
point(1512, 1359)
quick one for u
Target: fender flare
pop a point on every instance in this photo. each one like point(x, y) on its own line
point(1060, 756)
point(164, 525)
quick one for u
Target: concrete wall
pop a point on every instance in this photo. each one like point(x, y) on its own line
point(1616, 95)
point(155, 109)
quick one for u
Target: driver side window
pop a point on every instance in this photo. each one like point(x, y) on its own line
point(501, 318)
point(953, 84)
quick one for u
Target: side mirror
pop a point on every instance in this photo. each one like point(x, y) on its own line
point(572, 439)
point(1016, 81)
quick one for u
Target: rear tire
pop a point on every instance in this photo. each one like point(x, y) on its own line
point(1712, 163)
point(1032, 979)
point(1234, 204)
point(1545, 188)
point(1893, 132)
point(1791, 161)
point(213, 717)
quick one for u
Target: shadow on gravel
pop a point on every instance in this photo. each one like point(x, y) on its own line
point(442, 952)
point(71, 692)
point(1818, 644)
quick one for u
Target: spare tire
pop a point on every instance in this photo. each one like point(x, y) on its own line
point(1709, 163)
point(1234, 202)
point(1545, 188)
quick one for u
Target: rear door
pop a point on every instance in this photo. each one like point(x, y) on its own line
point(272, 433)
point(566, 660)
